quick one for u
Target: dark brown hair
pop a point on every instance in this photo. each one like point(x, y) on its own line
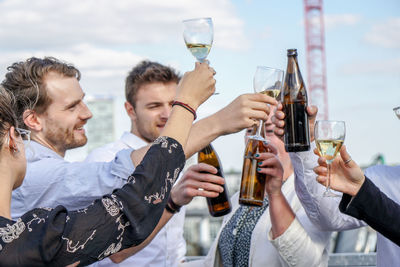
point(147, 72)
point(25, 80)
point(8, 117)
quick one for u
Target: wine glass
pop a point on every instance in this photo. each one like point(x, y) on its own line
point(329, 137)
point(267, 81)
point(198, 35)
point(397, 111)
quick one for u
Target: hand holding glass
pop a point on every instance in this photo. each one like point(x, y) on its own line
point(252, 188)
point(329, 137)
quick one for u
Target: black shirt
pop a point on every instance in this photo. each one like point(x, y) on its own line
point(125, 218)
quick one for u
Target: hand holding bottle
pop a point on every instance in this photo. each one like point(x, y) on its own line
point(271, 167)
point(197, 176)
point(279, 120)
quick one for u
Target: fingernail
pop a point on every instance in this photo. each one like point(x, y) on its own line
point(258, 169)
point(256, 155)
point(259, 164)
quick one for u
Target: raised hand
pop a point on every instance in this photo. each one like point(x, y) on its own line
point(243, 112)
point(346, 175)
point(196, 86)
point(199, 176)
point(271, 166)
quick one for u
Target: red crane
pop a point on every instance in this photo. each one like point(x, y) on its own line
point(316, 61)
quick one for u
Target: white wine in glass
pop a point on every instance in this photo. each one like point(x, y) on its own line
point(198, 35)
point(329, 138)
point(268, 81)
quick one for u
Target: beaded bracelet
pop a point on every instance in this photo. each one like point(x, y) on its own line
point(172, 207)
point(185, 106)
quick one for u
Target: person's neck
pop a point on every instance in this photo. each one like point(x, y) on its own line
point(7, 178)
point(39, 139)
point(135, 133)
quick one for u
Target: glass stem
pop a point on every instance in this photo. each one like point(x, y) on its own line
point(259, 129)
point(328, 183)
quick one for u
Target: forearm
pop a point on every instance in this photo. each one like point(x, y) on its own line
point(296, 242)
point(202, 133)
point(126, 253)
point(375, 208)
point(322, 211)
point(281, 214)
point(178, 127)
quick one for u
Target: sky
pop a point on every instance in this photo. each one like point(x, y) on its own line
point(105, 39)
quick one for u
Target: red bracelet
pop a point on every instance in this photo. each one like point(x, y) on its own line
point(185, 106)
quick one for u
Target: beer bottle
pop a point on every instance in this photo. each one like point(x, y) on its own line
point(220, 205)
point(297, 137)
point(252, 185)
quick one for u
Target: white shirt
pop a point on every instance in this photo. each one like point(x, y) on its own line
point(301, 245)
point(324, 211)
point(168, 247)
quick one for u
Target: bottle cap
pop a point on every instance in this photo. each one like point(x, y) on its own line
point(292, 52)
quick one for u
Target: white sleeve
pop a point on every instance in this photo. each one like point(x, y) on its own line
point(175, 240)
point(322, 211)
point(295, 242)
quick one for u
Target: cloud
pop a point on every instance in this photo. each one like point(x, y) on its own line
point(372, 67)
point(44, 24)
point(91, 60)
point(333, 21)
point(385, 34)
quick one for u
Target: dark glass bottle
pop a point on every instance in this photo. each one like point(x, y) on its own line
point(220, 205)
point(252, 186)
point(297, 136)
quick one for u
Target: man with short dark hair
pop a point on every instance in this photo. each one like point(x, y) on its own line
point(150, 89)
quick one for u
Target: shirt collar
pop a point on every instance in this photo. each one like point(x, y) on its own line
point(133, 141)
point(35, 151)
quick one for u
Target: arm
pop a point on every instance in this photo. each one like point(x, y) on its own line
point(322, 211)
point(182, 193)
point(241, 113)
point(361, 198)
point(116, 221)
point(287, 234)
point(375, 208)
point(280, 211)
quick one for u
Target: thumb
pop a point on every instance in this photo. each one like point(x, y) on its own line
point(312, 111)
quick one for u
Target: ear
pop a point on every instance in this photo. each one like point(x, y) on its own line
point(12, 141)
point(130, 110)
point(32, 120)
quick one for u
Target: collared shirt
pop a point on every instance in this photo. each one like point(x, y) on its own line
point(168, 247)
point(324, 211)
point(51, 181)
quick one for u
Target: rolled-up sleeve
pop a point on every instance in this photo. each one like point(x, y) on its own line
point(322, 211)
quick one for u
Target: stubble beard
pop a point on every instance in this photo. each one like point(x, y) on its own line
point(64, 139)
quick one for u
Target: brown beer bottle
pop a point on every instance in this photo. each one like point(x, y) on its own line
point(220, 205)
point(252, 187)
point(297, 137)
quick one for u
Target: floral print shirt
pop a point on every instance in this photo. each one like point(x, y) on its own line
point(125, 218)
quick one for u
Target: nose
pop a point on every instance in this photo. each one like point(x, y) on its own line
point(85, 112)
point(166, 111)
